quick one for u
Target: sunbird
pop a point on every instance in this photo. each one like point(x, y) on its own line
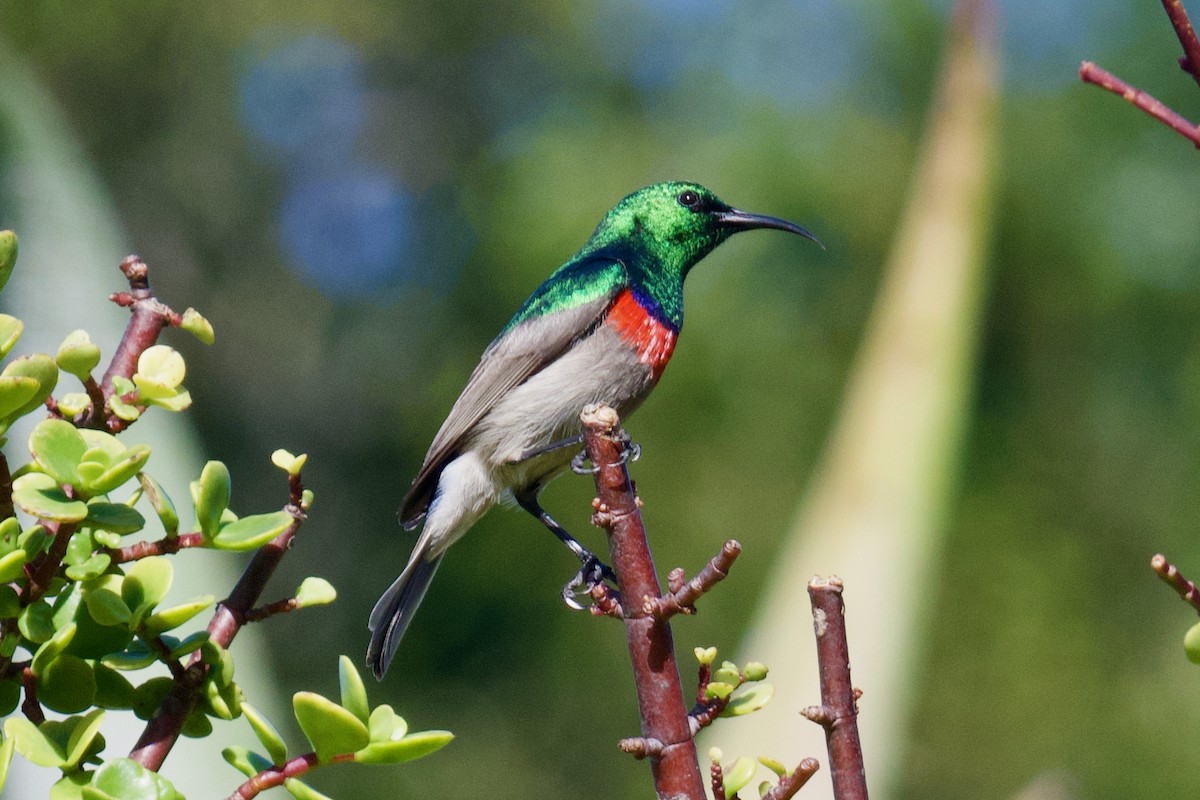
point(600, 329)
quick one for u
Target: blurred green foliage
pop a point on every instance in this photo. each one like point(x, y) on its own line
point(1051, 648)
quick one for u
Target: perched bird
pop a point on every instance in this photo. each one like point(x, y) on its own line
point(600, 329)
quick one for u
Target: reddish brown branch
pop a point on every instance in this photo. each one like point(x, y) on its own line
point(838, 712)
point(1174, 578)
point(1187, 37)
point(270, 609)
point(30, 706)
point(716, 779)
point(651, 649)
point(792, 782)
point(43, 569)
point(149, 316)
point(1090, 73)
point(158, 547)
point(6, 503)
point(683, 596)
point(606, 602)
point(275, 776)
point(164, 727)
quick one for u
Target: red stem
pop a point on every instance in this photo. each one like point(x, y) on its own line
point(164, 727)
point(275, 776)
point(1187, 36)
point(159, 547)
point(1090, 73)
point(659, 690)
point(838, 713)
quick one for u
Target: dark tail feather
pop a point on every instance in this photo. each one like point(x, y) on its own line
point(395, 609)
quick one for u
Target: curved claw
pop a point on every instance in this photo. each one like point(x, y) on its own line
point(592, 573)
point(577, 464)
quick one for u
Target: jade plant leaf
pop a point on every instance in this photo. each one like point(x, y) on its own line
point(331, 729)
point(252, 532)
point(38, 495)
point(408, 748)
point(211, 496)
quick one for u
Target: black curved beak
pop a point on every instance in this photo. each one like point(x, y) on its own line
point(745, 221)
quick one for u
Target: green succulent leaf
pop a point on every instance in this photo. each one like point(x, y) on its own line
point(179, 401)
point(149, 696)
point(302, 791)
point(162, 366)
point(10, 331)
point(755, 671)
point(750, 700)
point(93, 567)
point(34, 745)
point(252, 532)
point(224, 701)
point(197, 725)
point(6, 754)
point(74, 403)
point(147, 582)
point(83, 735)
point(123, 410)
point(160, 501)
point(170, 618)
point(354, 694)
point(775, 766)
point(107, 607)
point(409, 748)
point(289, 463)
point(267, 734)
point(35, 540)
point(245, 761)
point(41, 368)
point(315, 592)
point(36, 622)
point(705, 655)
point(15, 392)
point(10, 529)
point(52, 648)
point(385, 725)
point(331, 729)
point(125, 779)
point(211, 497)
point(718, 690)
point(10, 602)
point(57, 448)
point(1191, 643)
point(10, 695)
point(103, 470)
point(12, 565)
point(189, 644)
point(38, 495)
point(8, 255)
point(116, 517)
point(136, 656)
point(113, 690)
point(737, 776)
point(727, 674)
point(78, 355)
point(67, 685)
point(197, 326)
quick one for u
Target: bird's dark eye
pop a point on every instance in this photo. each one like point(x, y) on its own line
point(690, 199)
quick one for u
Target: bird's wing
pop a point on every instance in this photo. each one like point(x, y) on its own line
point(533, 339)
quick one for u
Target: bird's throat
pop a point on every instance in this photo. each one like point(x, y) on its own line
point(639, 327)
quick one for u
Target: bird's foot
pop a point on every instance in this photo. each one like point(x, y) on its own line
point(593, 573)
point(632, 451)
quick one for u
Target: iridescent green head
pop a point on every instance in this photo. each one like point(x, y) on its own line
point(677, 223)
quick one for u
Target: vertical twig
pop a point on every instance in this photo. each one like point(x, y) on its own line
point(163, 729)
point(659, 690)
point(838, 712)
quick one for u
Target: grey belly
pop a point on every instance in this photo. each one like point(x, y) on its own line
point(545, 409)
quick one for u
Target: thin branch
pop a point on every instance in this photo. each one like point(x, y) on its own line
point(43, 569)
point(30, 706)
point(149, 317)
point(276, 776)
point(838, 712)
point(6, 503)
point(158, 547)
point(1090, 73)
point(1187, 37)
point(1174, 578)
point(716, 779)
point(270, 609)
point(683, 596)
point(676, 767)
point(163, 729)
point(792, 782)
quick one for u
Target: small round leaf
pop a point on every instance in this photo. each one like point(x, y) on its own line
point(8, 255)
point(354, 694)
point(41, 368)
point(737, 776)
point(32, 744)
point(315, 592)
point(40, 496)
point(267, 734)
point(162, 365)
point(67, 685)
point(198, 326)
point(410, 748)
point(10, 332)
point(1191, 643)
point(211, 496)
point(116, 517)
point(78, 355)
point(749, 700)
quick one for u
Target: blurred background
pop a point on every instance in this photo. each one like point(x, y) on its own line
point(358, 196)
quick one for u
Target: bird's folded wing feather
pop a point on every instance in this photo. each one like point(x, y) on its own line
point(533, 339)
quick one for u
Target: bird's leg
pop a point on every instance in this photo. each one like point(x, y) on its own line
point(549, 448)
point(593, 572)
